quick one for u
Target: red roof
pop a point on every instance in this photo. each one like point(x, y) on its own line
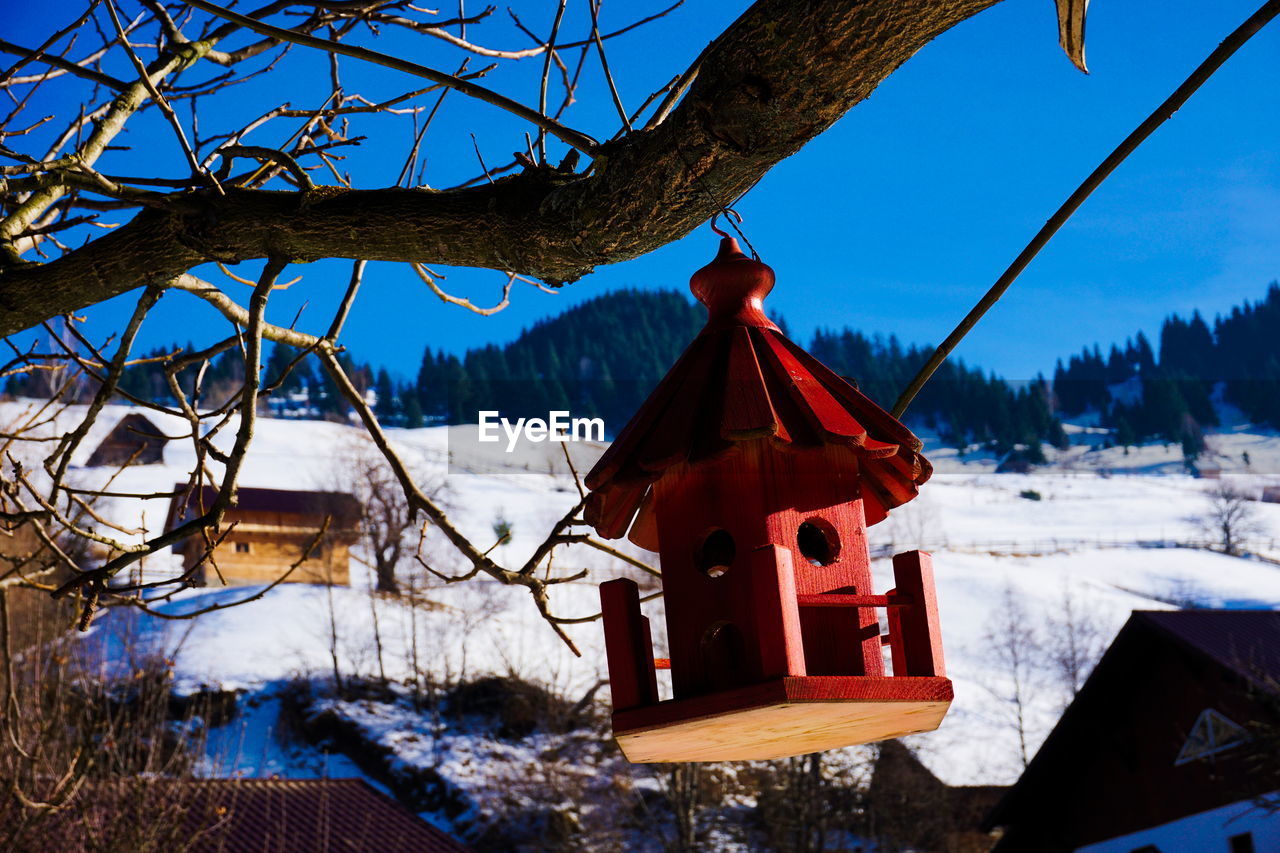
point(269, 815)
point(741, 380)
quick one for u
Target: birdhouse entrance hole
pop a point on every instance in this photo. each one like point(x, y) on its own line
point(723, 651)
point(818, 542)
point(716, 553)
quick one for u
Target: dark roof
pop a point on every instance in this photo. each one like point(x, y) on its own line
point(286, 815)
point(1244, 641)
point(741, 380)
point(344, 507)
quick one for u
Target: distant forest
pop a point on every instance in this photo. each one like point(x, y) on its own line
point(603, 357)
point(1175, 395)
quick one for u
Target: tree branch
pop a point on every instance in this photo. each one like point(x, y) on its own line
point(777, 77)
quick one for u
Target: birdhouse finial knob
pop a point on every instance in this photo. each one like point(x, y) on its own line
point(733, 287)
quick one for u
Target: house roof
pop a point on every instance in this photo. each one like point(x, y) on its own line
point(139, 424)
point(741, 380)
point(132, 432)
point(344, 507)
point(290, 816)
point(1244, 641)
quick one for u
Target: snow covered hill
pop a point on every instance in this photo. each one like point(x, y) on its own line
point(1088, 534)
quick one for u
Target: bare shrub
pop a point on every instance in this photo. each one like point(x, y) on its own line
point(1229, 517)
point(1072, 643)
point(78, 750)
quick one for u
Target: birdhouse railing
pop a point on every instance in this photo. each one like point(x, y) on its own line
point(913, 637)
point(911, 610)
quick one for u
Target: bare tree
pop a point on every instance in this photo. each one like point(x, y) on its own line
point(686, 796)
point(743, 105)
point(1072, 642)
point(79, 748)
point(565, 203)
point(1229, 518)
point(1013, 649)
point(388, 526)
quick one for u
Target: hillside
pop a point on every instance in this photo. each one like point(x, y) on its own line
point(1096, 536)
point(601, 359)
point(1177, 391)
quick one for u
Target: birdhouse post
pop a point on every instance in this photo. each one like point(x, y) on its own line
point(754, 471)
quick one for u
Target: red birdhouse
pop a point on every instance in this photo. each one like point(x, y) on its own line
point(754, 471)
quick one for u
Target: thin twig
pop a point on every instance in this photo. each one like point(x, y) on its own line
point(604, 64)
point(569, 136)
point(546, 73)
point(160, 101)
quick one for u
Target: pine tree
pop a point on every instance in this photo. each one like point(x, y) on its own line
point(386, 405)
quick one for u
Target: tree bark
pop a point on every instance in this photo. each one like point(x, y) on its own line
point(777, 77)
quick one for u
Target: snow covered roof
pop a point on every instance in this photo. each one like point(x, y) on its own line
point(133, 440)
point(742, 380)
point(344, 507)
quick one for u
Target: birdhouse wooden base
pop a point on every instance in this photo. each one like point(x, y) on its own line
point(783, 717)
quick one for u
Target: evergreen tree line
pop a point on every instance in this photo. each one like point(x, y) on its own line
point(599, 359)
point(604, 357)
point(1170, 396)
point(961, 403)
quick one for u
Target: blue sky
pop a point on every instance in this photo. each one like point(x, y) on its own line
point(894, 222)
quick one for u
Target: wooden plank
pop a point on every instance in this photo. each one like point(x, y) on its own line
point(628, 645)
point(833, 599)
point(781, 731)
point(748, 410)
point(921, 635)
point(897, 660)
point(783, 717)
point(789, 690)
point(776, 616)
point(834, 422)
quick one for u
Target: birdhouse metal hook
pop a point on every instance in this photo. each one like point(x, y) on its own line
point(727, 211)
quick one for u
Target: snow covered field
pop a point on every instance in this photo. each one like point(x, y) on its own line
point(1080, 543)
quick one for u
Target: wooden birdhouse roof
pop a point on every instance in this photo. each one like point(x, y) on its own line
point(742, 380)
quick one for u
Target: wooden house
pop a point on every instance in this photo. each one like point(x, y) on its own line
point(272, 529)
point(908, 806)
point(34, 616)
point(1271, 494)
point(133, 441)
point(1172, 744)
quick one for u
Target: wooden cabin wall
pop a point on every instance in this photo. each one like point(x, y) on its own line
point(34, 616)
point(270, 556)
